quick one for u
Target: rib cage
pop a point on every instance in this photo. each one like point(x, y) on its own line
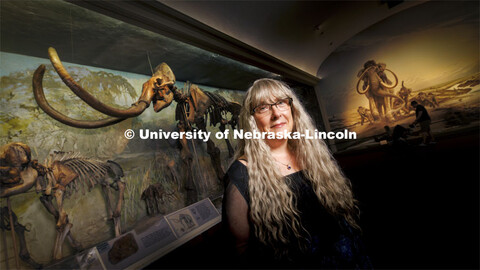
point(218, 108)
point(90, 171)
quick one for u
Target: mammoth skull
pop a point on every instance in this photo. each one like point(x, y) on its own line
point(371, 75)
point(17, 172)
point(158, 89)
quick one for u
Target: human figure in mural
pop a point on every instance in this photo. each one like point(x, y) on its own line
point(426, 100)
point(424, 120)
point(365, 115)
point(422, 99)
point(286, 202)
point(378, 89)
point(433, 100)
point(404, 94)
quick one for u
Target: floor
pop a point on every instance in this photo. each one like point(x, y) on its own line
point(420, 208)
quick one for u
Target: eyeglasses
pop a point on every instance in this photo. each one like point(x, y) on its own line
point(282, 105)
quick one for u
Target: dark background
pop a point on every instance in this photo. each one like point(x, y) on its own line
point(420, 208)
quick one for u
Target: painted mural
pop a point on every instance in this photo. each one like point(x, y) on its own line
point(428, 53)
point(152, 174)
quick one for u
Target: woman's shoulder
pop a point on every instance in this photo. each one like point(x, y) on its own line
point(238, 169)
point(243, 160)
point(237, 175)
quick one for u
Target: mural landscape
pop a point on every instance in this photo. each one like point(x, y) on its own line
point(428, 53)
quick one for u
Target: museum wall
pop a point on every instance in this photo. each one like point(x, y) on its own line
point(428, 53)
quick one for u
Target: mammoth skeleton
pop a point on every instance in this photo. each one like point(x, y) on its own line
point(378, 89)
point(63, 174)
point(193, 109)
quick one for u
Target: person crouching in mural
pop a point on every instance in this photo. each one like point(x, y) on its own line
point(286, 202)
point(424, 120)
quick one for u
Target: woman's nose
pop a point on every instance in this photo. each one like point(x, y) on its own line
point(275, 112)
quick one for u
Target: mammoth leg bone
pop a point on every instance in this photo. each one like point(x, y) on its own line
point(4, 242)
point(74, 243)
point(48, 204)
point(63, 226)
point(187, 158)
point(174, 175)
point(20, 231)
point(146, 197)
point(106, 191)
point(24, 254)
point(114, 214)
point(118, 209)
point(386, 94)
point(372, 106)
point(213, 151)
point(229, 146)
point(5, 225)
point(10, 215)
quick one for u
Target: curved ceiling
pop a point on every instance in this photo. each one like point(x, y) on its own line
point(238, 41)
point(300, 33)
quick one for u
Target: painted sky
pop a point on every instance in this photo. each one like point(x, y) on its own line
point(426, 45)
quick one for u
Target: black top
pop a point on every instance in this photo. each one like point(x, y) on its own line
point(332, 242)
point(424, 116)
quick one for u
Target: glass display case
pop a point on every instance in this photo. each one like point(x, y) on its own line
point(98, 183)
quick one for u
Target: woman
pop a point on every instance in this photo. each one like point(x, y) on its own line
point(286, 200)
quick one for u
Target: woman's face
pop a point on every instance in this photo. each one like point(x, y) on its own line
point(275, 119)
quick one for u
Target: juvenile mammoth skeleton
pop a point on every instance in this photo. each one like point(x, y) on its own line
point(194, 109)
point(63, 174)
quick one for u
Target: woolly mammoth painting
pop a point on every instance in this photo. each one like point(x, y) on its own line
point(427, 53)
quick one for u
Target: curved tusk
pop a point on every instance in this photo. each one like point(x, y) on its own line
point(43, 103)
point(393, 85)
point(136, 109)
point(384, 93)
point(28, 176)
point(360, 91)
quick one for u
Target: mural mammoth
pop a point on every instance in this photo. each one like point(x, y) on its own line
point(379, 90)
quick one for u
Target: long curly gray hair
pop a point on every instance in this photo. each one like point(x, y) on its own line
point(272, 208)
